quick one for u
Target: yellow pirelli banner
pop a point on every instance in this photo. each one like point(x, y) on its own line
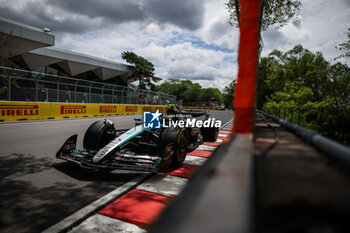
point(11, 111)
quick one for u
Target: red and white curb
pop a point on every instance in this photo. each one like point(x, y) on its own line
point(138, 208)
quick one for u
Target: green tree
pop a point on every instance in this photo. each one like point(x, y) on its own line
point(297, 65)
point(229, 93)
point(304, 88)
point(269, 70)
point(143, 70)
point(183, 89)
point(345, 46)
point(275, 12)
point(187, 91)
point(209, 93)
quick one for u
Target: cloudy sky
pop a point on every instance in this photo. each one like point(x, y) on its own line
point(189, 39)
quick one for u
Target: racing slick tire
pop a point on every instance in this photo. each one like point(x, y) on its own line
point(179, 137)
point(99, 134)
point(181, 147)
point(210, 134)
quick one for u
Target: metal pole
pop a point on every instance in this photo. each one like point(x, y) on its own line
point(112, 95)
point(102, 94)
point(75, 91)
point(122, 96)
point(9, 89)
point(90, 92)
point(58, 90)
point(36, 87)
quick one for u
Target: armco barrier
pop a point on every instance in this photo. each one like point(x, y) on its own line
point(195, 107)
point(11, 111)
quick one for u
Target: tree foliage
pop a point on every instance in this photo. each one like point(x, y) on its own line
point(304, 88)
point(345, 46)
point(187, 91)
point(143, 70)
point(275, 12)
point(229, 93)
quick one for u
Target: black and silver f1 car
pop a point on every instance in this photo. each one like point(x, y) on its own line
point(137, 148)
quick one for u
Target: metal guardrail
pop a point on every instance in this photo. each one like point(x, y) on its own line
point(329, 147)
point(23, 85)
point(219, 197)
point(197, 104)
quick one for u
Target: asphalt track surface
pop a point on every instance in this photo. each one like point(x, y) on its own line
point(38, 190)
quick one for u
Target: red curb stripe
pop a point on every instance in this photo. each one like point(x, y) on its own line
point(212, 143)
point(200, 153)
point(137, 207)
point(186, 171)
point(223, 138)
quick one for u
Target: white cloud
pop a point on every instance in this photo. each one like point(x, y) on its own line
point(201, 46)
point(185, 60)
point(202, 55)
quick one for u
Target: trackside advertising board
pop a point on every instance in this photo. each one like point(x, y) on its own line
point(11, 111)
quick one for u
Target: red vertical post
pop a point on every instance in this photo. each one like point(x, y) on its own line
point(244, 104)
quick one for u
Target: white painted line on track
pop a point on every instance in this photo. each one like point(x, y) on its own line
point(103, 224)
point(194, 160)
point(41, 121)
point(223, 135)
point(207, 148)
point(93, 207)
point(223, 131)
point(227, 123)
point(166, 185)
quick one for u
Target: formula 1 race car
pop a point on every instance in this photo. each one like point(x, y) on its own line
point(137, 148)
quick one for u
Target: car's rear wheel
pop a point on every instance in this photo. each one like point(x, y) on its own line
point(99, 134)
point(181, 148)
point(177, 138)
point(210, 134)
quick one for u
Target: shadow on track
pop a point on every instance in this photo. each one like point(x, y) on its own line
point(81, 174)
point(37, 193)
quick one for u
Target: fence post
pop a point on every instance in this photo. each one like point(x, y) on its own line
point(47, 94)
point(36, 88)
point(58, 90)
point(9, 88)
point(75, 91)
point(102, 94)
point(279, 111)
point(112, 95)
point(90, 92)
point(122, 96)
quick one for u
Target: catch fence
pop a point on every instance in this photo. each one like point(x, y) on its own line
point(23, 85)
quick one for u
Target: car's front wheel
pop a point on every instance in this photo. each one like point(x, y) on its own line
point(99, 134)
